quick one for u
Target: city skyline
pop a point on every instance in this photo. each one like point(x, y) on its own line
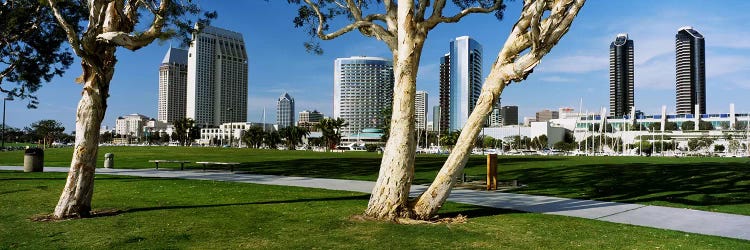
point(555, 83)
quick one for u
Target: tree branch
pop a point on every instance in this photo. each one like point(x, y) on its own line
point(70, 31)
point(437, 17)
point(365, 25)
point(131, 42)
point(421, 9)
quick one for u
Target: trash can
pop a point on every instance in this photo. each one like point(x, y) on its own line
point(33, 160)
point(109, 160)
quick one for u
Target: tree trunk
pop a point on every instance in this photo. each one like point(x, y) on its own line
point(390, 195)
point(75, 200)
point(431, 200)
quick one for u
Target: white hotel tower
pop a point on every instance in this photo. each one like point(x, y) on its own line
point(362, 89)
point(217, 78)
point(172, 85)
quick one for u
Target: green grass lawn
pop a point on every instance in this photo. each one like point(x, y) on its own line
point(712, 184)
point(173, 213)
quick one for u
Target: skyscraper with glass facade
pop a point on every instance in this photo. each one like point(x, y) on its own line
point(465, 80)
point(691, 71)
point(621, 75)
point(217, 78)
point(285, 111)
point(362, 90)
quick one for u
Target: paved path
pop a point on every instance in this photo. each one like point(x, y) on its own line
point(687, 220)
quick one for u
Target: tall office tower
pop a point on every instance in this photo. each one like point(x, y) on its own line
point(362, 90)
point(465, 80)
point(420, 115)
point(445, 90)
point(510, 115)
point(217, 78)
point(285, 111)
point(621, 76)
point(173, 85)
point(495, 119)
point(436, 118)
point(546, 115)
point(691, 71)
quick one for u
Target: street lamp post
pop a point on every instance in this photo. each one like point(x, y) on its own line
point(231, 129)
point(2, 136)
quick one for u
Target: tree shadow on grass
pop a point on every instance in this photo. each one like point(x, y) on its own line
point(344, 198)
point(690, 184)
point(425, 167)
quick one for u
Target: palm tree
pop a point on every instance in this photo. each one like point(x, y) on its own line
point(271, 139)
point(254, 136)
point(293, 135)
point(331, 129)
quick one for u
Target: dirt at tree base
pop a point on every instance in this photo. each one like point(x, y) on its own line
point(94, 214)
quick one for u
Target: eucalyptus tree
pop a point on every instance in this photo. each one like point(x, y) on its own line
point(131, 24)
point(404, 27)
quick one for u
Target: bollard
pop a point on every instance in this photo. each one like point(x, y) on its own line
point(491, 172)
point(33, 160)
point(109, 160)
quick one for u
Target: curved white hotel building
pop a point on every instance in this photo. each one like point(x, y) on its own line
point(362, 89)
point(217, 78)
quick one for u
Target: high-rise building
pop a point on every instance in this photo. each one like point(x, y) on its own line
point(495, 119)
point(443, 114)
point(285, 111)
point(546, 115)
point(621, 75)
point(436, 118)
point(173, 85)
point(464, 79)
point(362, 90)
point(217, 77)
point(420, 105)
point(509, 115)
point(691, 71)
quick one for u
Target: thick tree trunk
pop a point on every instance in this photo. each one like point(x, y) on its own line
point(431, 200)
point(390, 196)
point(75, 200)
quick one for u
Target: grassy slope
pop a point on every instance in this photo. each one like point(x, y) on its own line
point(169, 213)
point(712, 184)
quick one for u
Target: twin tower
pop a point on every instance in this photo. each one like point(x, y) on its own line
point(690, 73)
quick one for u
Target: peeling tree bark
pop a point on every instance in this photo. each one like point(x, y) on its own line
point(75, 200)
point(531, 33)
point(389, 199)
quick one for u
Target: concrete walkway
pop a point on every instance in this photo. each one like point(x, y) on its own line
point(686, 220)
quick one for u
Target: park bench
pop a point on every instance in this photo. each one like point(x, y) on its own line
point(182, 163)
point(207, 163)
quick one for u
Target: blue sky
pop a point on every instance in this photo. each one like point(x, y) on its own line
point(577, 68)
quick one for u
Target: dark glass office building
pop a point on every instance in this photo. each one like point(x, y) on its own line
point(621, 76)
point(691, 71)
point(445, 90)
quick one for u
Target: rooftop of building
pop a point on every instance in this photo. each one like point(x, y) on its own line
point(176, 56)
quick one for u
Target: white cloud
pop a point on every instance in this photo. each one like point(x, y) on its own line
point(556, 79)
point(575, 64)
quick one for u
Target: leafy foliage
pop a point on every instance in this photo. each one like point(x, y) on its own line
point(31, 49)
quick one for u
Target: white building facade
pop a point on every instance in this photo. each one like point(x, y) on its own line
point(173, 86)
point(217, 77)
point(420, 104)
point(362, 90)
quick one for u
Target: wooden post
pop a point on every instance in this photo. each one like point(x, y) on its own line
point(492, 172)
